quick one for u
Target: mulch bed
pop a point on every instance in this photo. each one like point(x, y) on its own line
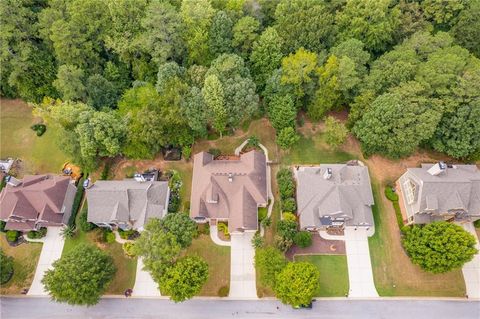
point(319, 246)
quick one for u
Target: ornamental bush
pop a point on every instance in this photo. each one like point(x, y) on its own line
point(287, 228)
point(39, 129)
point(42, 232)
point(128, 249)
point(303, 239)
point(12, 235)
point(439, 247)
point(83, 224)
point(269, 262)
point(390, 194)
point(289, 205)
point(109, 237)
point(286, 184)
point(6, 266)
point(297, 283)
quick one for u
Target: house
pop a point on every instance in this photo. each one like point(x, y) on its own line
point(334, 196)
point(229, 190)
point(439, 191)
point(36, 201)
point(127, 204)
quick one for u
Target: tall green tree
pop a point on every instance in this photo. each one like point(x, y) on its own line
point(439, 247)
point(70, 83)
point(287, 137)
point(282, 111)
point(398, 122)
point(297, 283)
point(266, 56)
point(185, 279)
point(305, 24)
point(335, 132)
point(374, 22)
point(195, 111)
point(214, 98)
point(467, 29)
point(298, 71)
point(220, 34)
point(245, 32)
point(197, 15)
point(80, 277)
point(100, 92)
point(269, 262)
point(442, 13)
point(181, 226)
point(159, 249)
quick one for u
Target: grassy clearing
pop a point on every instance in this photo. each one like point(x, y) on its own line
point(333, 270)
point(25, 261)
point(39, 154)
point(218, 259)
point(393, 272)
point(126, 267)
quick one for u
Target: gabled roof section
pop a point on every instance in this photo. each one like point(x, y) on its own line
point(229, 189)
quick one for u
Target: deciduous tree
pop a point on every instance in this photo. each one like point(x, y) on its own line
point(297, 283)
point(181, 226)
point(266, 56)
point(269, 262)
point(335, 132)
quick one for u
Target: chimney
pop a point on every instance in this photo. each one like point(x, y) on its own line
point(437, 169)
point(139, 178)
point(230, 177)
point(328, 173)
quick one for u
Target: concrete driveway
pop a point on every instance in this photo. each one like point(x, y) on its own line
point(145, 286)
point(242, 269)
point(52, 250)
point(360, 273)
point(471, 270)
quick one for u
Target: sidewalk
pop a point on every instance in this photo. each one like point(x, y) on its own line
point(52, 250)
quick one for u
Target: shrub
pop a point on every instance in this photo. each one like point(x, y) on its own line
point(215, 152)
point(267, 222)
point(257, 241)
point(2, 226)
point(289, 205)
point(297, 283)
point(37, 234)
point(129, 249)
point(76, 202)
point(109, 237)
point(262, 213)
point(476, 223)
point(127, 234)
point(287, 228)
point(175, 183)
point(439, 247)
point(303, 239)
point(105, 171)
point(6, 265)
point(186, 152)
point(253, 141)
point(39, 129)
point(390, 194)
point(282, 243)
point(68, 231)
point(223, 291)
point(223, 228)
point(83, 224)
point(269, 261)
point(286, 184)
point(289, 216)
point(12, 235)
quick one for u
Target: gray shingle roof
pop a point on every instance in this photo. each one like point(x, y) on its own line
point(126, 201)
point(458, 187)
point(347, 194)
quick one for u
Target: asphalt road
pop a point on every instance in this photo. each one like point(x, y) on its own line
point(43, 308)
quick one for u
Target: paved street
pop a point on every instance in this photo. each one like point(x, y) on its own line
point(43, 308)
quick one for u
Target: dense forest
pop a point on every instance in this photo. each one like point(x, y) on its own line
point(132, 76)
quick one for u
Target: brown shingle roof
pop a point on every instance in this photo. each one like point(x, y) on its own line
point(229, 189)
point(38, 197)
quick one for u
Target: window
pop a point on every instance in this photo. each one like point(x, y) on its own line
point(410, 189)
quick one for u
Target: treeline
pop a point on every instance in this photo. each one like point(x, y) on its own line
point(131, 76)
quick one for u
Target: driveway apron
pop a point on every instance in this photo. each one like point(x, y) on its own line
point(52, 250)
point(145, 286)
point(359, 265)
point(242, 269)
point(471, 270)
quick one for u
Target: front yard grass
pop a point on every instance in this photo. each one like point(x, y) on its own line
point(393, 272)
point(39, 154)
point(333, 274)
point(218, 259)
point(126, 267)
point(25, 259)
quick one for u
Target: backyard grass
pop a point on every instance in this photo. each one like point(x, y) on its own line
point(17, 140)
point(218, 259)
point(333, 270)
point(126, 267)
point(393, 272)
point(25, 262)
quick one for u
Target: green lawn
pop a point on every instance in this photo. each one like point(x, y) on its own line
point(39, 154)
point(313, 150)
point(25, 259)
point(126, 267)
point(333, 274)
point(393, 272)
point(218, 259)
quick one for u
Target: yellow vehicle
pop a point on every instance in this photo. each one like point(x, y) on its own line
point(72, 170)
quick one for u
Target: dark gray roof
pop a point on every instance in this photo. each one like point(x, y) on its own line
point(347, 194)
point(458, 187)
point(127, 201)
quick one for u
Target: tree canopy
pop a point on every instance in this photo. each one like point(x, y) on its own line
point(297, 283)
